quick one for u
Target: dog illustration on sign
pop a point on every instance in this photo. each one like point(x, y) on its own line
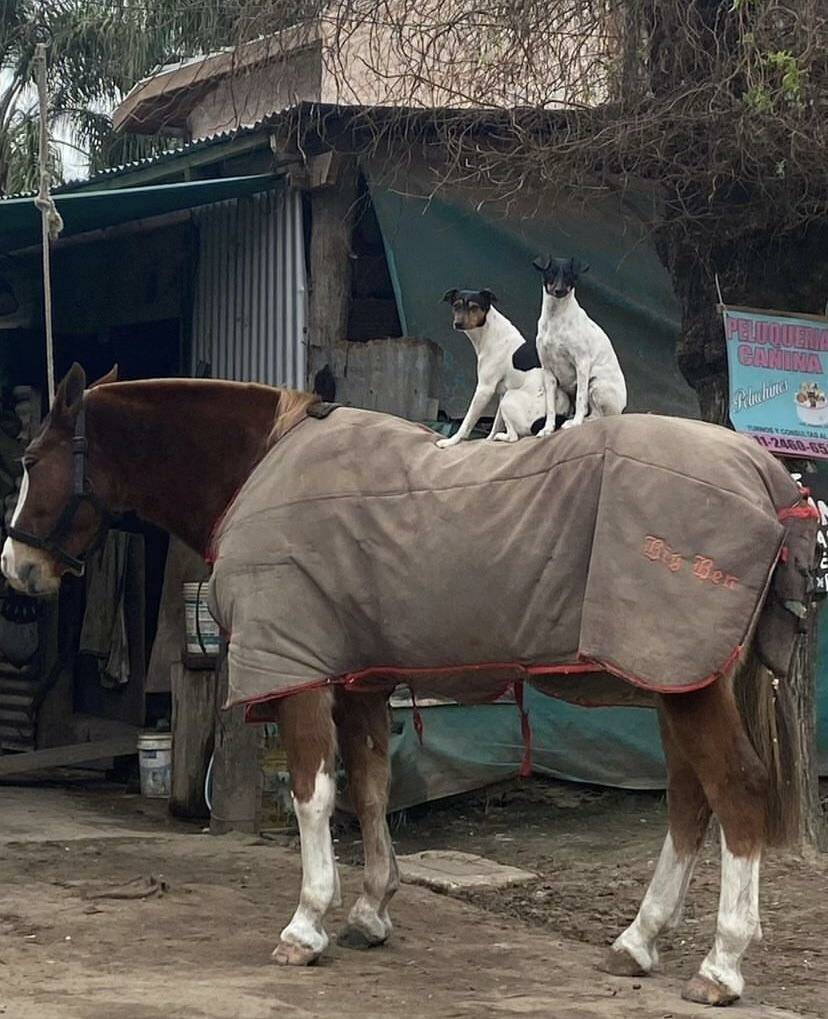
point(575, 353)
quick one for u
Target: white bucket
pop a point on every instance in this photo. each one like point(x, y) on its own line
point(199, 622)
point(155, 764)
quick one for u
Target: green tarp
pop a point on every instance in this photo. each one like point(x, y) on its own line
point(445, 241)
point(83, 211)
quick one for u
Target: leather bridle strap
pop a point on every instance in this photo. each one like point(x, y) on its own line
point(81, 493)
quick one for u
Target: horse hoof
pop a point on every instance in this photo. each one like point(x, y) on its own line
point(703, 991)
point(288, 954)
point(619, 963)
point(365, 928)
point(355, 937)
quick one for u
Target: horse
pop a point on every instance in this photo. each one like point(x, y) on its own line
point(182, 453)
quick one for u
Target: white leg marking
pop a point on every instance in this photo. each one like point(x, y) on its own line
point(320, 877)
point(738, 920)
point(661, 907)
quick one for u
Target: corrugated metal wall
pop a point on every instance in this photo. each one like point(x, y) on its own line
point(250, 309)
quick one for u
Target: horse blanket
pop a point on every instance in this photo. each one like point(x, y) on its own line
point(639, 546)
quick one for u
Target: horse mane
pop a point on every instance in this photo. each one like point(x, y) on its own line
point(290, 410)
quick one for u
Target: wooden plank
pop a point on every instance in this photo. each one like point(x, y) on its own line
point(75, 753)
point(193, 719)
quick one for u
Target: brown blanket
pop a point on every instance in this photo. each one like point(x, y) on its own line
point(638, 545)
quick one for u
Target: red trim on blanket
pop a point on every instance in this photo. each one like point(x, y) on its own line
point(353, 681)
point(798, 513)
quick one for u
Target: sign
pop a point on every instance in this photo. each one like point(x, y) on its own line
point(779, 379)
point(817, 484)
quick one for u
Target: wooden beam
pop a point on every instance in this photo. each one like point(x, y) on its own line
point(59, 757)
point(332, 216)
point(236, 774)
point(108, 233)
point(194, 719)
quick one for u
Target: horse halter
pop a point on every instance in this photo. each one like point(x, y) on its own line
point(81, 493)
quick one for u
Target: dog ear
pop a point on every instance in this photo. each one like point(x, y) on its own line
point(449, 296)
point(542, 263)
point(489, 296)
point(579, 267)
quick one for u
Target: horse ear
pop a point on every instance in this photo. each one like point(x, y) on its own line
point(542, 263)
point(70, 391)
point(105, 380)
point(449, 296)
point(490, 296)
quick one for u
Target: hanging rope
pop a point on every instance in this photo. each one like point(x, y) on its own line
point(51, 220)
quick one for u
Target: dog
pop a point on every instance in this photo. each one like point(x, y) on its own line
point(575, 353)
point(507, 367)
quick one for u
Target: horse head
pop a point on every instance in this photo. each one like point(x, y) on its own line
point(61, 510)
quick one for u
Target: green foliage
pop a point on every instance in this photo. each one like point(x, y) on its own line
point(98, 49)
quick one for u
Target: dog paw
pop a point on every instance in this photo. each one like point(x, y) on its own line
point(571, 423)
point(503, 437)
point(446, 443)
point(546, 432)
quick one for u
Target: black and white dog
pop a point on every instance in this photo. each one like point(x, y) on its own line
point(507, 367)
point(575, 353)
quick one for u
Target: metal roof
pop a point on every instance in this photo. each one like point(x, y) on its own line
point(311, 114)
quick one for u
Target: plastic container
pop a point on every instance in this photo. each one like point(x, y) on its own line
point(203, 637)
point(155, 764)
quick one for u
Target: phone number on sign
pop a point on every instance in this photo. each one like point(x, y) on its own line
point(779, 444)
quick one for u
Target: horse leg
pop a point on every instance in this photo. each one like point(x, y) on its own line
point(708, 728)
point(363, 728)
point(634, 953)
point(307, 732)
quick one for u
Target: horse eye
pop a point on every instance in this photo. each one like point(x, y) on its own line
point(28, 462)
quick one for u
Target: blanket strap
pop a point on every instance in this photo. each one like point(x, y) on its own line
point(525, 730)
point(416, 717)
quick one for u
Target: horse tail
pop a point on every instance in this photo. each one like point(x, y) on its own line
point(768, 709)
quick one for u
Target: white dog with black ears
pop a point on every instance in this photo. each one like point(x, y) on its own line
point(575, 353)
point(507, 367)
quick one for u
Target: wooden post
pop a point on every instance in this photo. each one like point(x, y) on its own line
point(236, 774)
point(193, 720)
point(802, 683)
point(333, 204)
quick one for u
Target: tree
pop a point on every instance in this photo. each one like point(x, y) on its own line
point(98, 49)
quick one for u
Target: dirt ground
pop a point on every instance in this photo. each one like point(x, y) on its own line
point(199, 948)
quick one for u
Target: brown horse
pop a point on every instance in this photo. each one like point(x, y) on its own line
point(176, 452)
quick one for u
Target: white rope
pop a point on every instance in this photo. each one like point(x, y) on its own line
point(51, 221)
